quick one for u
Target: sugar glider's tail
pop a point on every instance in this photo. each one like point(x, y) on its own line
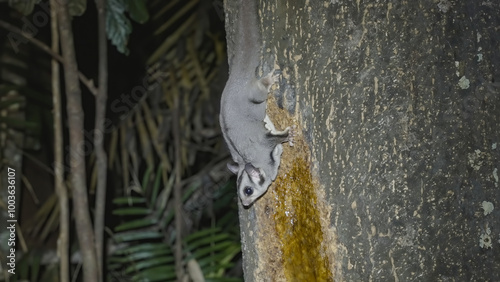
point(247, 49)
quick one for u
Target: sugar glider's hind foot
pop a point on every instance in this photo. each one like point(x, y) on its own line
point(287, 135)
point(292, 132)
point(269, 80)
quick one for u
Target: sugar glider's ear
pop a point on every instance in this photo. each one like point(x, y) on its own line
point(233, 167)
point(254, 174)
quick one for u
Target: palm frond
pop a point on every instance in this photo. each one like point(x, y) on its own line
point(145, 252)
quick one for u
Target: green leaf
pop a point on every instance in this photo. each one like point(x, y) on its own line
point(76, 8)
point(19, 123)
point(24, 268)
point(207, 240)
point(9, 102)
point(156, 185)
point(118, 26)
point(223, 257)
point(219, 246)
point(145, 177)
point(136, 224)
point(138, 11)
point(190, 190)
point(24, 7)
point(145, 264)
point(35, 267)
point(132, 211)
point(129, 200)
point(141, 248)
point(160, 273)
point(158, 253)
point(201, 233)
point(139, 235)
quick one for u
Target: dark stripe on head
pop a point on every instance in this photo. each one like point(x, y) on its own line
point(238, 180)
point(255, 102)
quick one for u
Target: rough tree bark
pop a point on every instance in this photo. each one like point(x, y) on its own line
point(399, 105)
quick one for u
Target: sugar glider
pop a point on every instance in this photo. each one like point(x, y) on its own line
point(253, 141)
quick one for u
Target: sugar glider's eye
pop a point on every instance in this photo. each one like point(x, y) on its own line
point(248, 191)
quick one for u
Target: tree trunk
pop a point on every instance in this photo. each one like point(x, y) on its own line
point(394, 176)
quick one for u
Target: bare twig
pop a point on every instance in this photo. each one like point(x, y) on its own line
point(101, 157)
point(179, 269)
point(87, 82)
point(76, 139)
point(62, 193)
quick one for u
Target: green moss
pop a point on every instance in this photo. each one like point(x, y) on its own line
point(298, 226)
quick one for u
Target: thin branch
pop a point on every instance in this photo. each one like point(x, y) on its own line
point(179, 268)
point(74, 108)
point(101, 157)
point(62, 193)
point(87, 82)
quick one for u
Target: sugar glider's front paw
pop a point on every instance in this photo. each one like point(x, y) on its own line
point(269, 125)
point(268, 80)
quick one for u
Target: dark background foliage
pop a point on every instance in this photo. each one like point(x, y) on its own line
point(158, 51)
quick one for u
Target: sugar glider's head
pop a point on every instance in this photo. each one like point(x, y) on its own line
point(252, 183)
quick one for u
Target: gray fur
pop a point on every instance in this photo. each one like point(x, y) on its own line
point(251, 137)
